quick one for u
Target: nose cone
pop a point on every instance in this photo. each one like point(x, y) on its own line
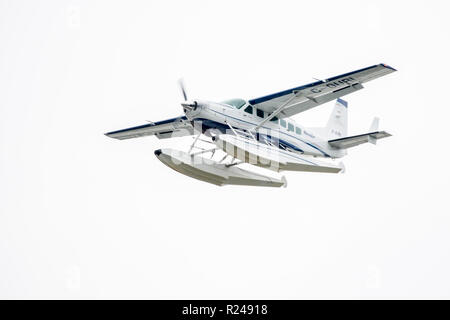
point(189, 104)
point(191, 108)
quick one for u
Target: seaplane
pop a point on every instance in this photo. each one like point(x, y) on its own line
point(244, 134)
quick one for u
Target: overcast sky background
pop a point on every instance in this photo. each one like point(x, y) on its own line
point(85, 216)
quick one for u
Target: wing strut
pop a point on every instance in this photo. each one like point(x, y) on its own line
point(193, 143)
point(277, 111)
point(232, 129)
point(236, 133)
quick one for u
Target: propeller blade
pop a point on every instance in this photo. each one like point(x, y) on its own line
point(182, 87)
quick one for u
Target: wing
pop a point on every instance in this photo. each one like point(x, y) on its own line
point(348, 142)
point(314, 94)
point(170, 128)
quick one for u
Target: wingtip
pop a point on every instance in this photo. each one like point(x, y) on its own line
point(109, 135)
point(388, 66)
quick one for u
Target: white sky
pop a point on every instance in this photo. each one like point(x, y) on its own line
point(85, 216)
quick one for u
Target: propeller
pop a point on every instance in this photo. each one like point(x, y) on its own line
point(182, 87)
point(189, 105)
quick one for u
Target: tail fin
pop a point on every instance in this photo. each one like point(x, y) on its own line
point(375, 124)
point(337, 123)
point(374, 128)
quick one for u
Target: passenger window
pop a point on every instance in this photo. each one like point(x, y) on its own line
point(249, 109)
point(274, 119)
point(290, 127)
point(260, 113)
point(298, 130)
point(283, 123)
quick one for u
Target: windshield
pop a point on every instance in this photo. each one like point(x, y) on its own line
point(237, 103)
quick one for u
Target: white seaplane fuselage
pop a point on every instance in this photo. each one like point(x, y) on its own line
point(286, 133)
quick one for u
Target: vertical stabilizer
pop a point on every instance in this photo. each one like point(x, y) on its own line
point(337, 123)
point(373, 128)
point(374, 125)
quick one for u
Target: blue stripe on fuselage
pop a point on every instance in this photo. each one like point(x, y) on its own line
point(309, 144)
point(217, 125)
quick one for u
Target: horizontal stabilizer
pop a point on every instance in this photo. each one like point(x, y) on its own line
point(348, 142)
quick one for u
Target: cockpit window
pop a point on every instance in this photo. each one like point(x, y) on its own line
point(237, 103)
